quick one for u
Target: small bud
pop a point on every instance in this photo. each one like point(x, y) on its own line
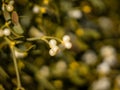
point(9, 8)
point(66, 38)
point(6, 31)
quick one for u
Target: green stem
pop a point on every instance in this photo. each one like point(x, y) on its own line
point(33, 39)
point(11, 45)
point(16, 68)
point(44, 38)
point(50, 37)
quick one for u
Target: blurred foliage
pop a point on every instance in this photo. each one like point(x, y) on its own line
point(93, 60)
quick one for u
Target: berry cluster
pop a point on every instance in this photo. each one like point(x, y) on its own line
point(66, 41)
point(54, 48)
point(53, 44)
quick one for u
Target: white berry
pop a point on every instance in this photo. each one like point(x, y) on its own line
point(6, 32)
point(52, 52)
point(75, 14)
point(9, 8)
point(36, 9)
point(68, 45)
point(52, 43)
point(66, 38)
point(55, 48)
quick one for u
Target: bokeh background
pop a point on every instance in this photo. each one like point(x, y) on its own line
point(93, 62)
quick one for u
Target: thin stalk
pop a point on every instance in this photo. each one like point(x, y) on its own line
point(44, 38)
point(12, 48)
point(16, 68)
point(50, 37)
point(34, 39)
